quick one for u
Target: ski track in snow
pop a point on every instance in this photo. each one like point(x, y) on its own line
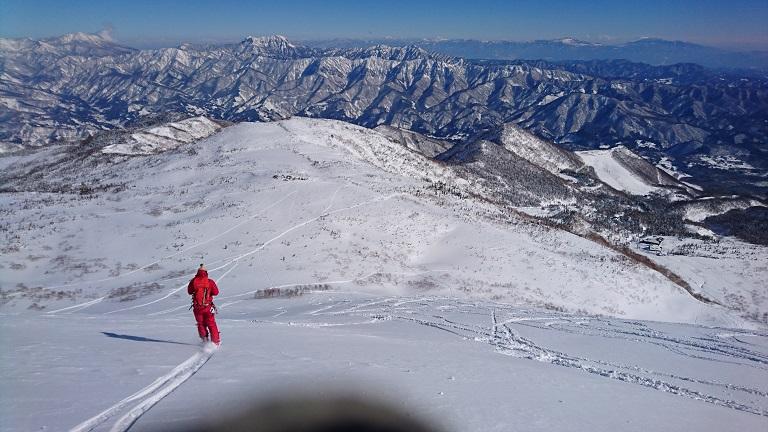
point(227, 261)
point(149, 395)
point(166, 384)
point(302, 224)
point(333, 198)
point(194, 246)
point(174, 291)
point(236, 259)
point(505, 340)
point(77, 307)
point(448, 315)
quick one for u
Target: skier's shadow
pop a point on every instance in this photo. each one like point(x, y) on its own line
point(141, 338)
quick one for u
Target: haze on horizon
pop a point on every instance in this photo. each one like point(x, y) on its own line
point(738, 24)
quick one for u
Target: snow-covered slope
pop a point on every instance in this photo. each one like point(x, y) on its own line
point(164, 137)
point(623, 170)
point(429, 147)
point(460, 365)
point(537, 151)
point(293, 202)
point(346, 261)
point(698, 210)
point(726, 270)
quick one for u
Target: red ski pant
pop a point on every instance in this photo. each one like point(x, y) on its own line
point(206, 324)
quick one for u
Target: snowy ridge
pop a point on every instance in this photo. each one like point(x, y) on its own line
point(164, 137)
point(575, 42)
point(697, 211)
point(537, 151)
point(76, 44)
point(370, 146)
point(302, 176)
point(276, 46)
point(427, 146)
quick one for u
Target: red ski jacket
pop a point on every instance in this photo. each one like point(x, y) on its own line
point(201, 281)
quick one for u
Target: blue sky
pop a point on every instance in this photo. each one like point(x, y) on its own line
point(735, 23)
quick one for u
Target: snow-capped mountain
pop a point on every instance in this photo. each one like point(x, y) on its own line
point(652, 51)
point(271, 46)
point(689, 115)
point(72, 44)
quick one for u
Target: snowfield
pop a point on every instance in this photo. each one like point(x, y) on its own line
point(166, 137)
point(611, 171)
point(462, 365)
point(342, 264)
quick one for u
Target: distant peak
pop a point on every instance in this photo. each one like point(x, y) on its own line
point(650, 39)
point(102, 36)
point(573, 41)
point(659, 41)
point(82, 44)
point(268, 46)
point(267, 41)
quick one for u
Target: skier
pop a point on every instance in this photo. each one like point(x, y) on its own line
point(202, 291)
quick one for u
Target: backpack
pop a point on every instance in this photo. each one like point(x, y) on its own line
point(200, 296)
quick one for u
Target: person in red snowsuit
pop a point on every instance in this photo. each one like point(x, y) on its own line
point(202, 291)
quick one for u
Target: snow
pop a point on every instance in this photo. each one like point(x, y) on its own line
point(698, 211)
point(574, 42)
point(665, 164)
point(537, 151)
point(450, 361)
point(149, 395)
point(727, 270)
point(165, 137)
point(445, 306)
point(9, 147)
point(542, 211)
point(613, 173)
point(725, 162)
point(313, 201)
point(550, 97)
point(85, 37)
point(647, 144)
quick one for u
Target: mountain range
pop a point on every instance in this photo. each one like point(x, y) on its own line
point(701, 123)
point(652, 51)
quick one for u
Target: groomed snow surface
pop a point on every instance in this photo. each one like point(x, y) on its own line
point(612, 172)
point(444, 307)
